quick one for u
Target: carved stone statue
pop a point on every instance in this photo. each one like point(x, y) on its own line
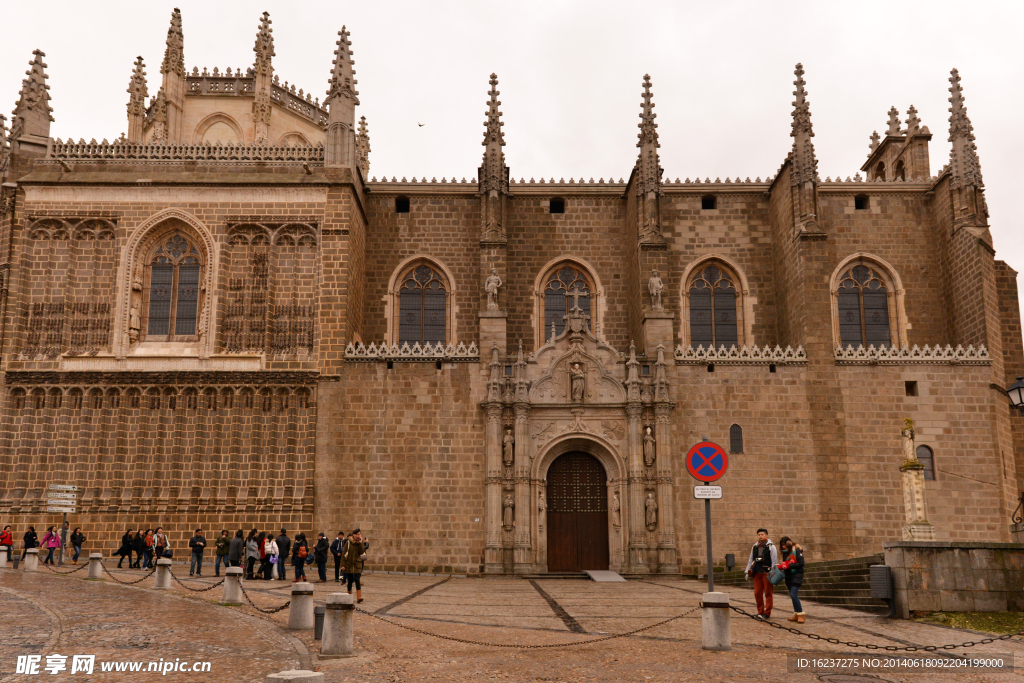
point(137, 277)
point(616, 507)
point(491, 287)
point(507, 516)
point(578, 382)
point(542, 507)
point(508, 454)
point(134, 324)
point(649, 448)
point(655, 286)
point(651, 506)
point(909, 452)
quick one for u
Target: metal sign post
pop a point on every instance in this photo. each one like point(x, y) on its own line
point(62, 498)
point(707, 462)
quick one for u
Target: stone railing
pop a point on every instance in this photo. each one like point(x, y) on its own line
point(451, 353)
point(124, 151)
point(927, 355)
point(745, 355)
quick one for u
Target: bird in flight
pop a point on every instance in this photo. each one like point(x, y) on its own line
point(421, 124)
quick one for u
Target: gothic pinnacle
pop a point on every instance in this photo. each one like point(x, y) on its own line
point(648, 128)
point(913, 123)
point(264, 47)
point(493, 124)
point(137, 90)
point(33, 114)
point(874, 141)
point(804, 162)
point(342, 81)
point(363, 147)
point(894, 123)
point(963, 156)
point(174, 53)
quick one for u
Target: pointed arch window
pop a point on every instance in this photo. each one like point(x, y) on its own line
point(173, 274)
point(713, 312)
point(423, 305)
point(565, 286)
point(863, 308)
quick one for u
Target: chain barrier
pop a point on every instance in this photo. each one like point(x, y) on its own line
point(260, 609)
point(195, 590)
point(872, 646)
point(525, 647)
point(79, 568)
point(127, 583)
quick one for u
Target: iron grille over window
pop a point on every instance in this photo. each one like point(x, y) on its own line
point(927, 458)
point(174, 273)
point(735, 439)
point(422, 304)
point(565, 286)
point(713, 309)
point(863, 302)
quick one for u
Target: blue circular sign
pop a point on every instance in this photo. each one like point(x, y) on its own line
point(707, 461)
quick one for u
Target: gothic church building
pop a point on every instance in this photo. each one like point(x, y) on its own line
point(222, 320)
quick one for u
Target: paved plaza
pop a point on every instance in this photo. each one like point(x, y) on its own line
point(45, 614)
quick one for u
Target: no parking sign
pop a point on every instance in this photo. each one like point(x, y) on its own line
point(707, 461)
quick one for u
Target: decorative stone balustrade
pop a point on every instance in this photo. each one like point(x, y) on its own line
point(927, 355)
point(124, 151)
point(451, 353)
point(745, 355)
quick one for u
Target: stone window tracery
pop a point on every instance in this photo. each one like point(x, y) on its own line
point(863, 308)
point(174, 274)
point(422, 305)
point(565, 286)
point(713, 308)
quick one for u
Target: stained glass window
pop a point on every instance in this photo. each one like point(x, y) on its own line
point(422, 307)
point(713, 320)
point(863, 307)
point(174, 277)
point(566, 285)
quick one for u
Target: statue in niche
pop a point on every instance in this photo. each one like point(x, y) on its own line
point(137, 277)
point(655, 287)
point(649, 448)
point(507, 516)
point(491, 287)
point(909, 452)
point(578, 382)
point(616, 507)
point(508, 445)
point(542, 507)
point(651, 507)
point(134, 324)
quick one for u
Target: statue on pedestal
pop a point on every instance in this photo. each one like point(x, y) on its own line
point(508, 444)
point(651, 507)
point(578, 380)
point(649, 448)
point(655, 287)
point(917, 527)
point(542, 508)
point(491, 286)
point(508, 512)
point(134, 324)
point(616, 507)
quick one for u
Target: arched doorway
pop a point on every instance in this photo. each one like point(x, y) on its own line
point(577, 514)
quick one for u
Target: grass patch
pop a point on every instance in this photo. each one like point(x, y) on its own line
point(989, 622)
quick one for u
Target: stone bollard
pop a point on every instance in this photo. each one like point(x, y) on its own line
point(95, 567)
point(3, 557)
point(163, 574)
point(716, 628)
point(337, 640)
point(296, 676)
point(300, 612)
point(32, 560)
point(233, 586)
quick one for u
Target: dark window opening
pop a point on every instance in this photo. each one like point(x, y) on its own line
point(173, 292)
point(391, 365)
point(771, 367)
point(557, 205)
point(900, 171)
point(911, 388)
point(860, 202)
point(401, 205)
point(863, 305)
point(713, 320)
point(880, 171)
point(708, 202)
point(927, 458)
point(711, 367)
point(508, 370)
point(439, 365)
point(423, 307)
point(566, 287)
point(645, 370)
point(735, 439)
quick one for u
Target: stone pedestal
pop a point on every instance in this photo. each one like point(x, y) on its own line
point(917, 527)
point(32, 560)
point(3, 557)
point(233, 586)
point(338, 623)
point(296, 676)
point(716, 627)
point(163, 574)
point(492, 330)
point(300, 612)
point(1016, 534)
point(95, 567)
point(658, 330)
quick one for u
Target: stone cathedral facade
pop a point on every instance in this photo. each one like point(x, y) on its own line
point(221, 319)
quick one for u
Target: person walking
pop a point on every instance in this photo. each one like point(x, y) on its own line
point(337, 548)
point(148, 543)
point(51, 541)
point(7, 540)
point(284, 547)
point(320, 555)
point(223, 547)
point(261, 542)
point(354, 557)
point(270, 552)
point(139, 546)
point(77, 540)
point(793, 565)
point(162, 543)
point(236, 549)
point(31, 540)
point(300, 551)
point(252, 553)
point(763, 556)
point(197, 544)
point(126, 549)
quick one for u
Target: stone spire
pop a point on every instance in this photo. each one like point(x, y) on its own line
point(648, 170)
point(137, 94)
point(874, 141)
point(894, 123)
point(5, 152)
point(963, 157)
point(173, 85)
point(264, 71)
point(174, 53)
point(341, 100)
point(33, 114)
point(363, 147)
point(804, 175)
point(913, 123)
point(493, 173)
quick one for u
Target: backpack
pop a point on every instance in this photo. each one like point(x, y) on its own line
point(303, 552)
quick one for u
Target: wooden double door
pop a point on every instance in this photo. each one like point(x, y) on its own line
point(577, 514)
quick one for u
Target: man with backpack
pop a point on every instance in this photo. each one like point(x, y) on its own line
point(284, 546)
point(763, 556)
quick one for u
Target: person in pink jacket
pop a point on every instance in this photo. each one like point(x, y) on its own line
point(51, 541)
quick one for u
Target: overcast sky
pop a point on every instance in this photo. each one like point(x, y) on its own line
point(570, 78)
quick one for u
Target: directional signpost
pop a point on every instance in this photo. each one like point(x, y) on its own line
point(707, 462)
point(62, 498)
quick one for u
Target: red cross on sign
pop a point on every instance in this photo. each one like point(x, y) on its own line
point(707, 461)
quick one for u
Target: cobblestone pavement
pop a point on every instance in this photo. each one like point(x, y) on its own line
point(502, 610)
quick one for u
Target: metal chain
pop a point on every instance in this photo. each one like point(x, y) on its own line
point(128, 583)
point(196, 590)
point(872, 646)
point(65, 573)
point(525, 647)
point(260, 609)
